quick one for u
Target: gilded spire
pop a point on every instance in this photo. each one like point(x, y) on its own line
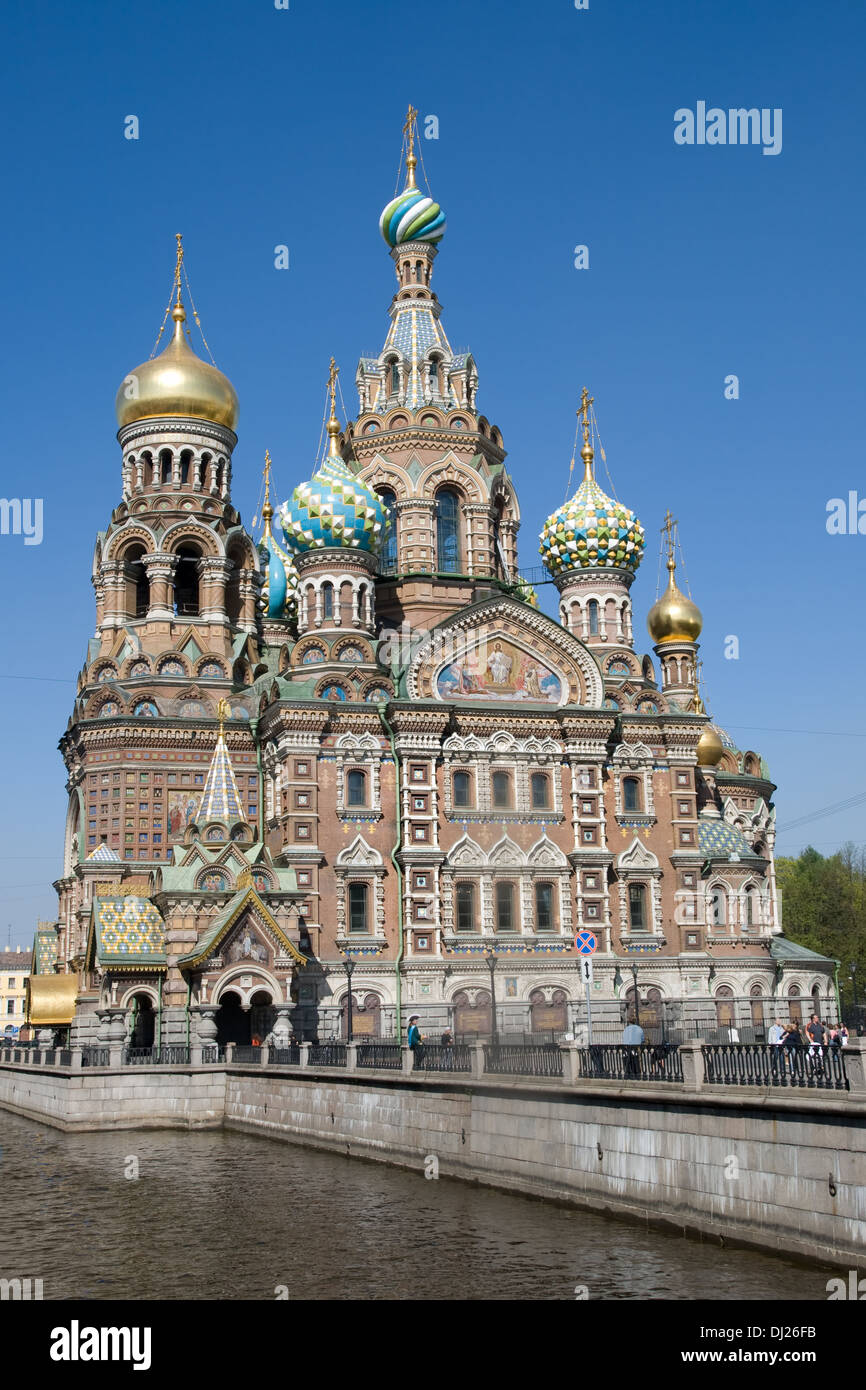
point(586, 452)
point(178, 236)
point(333, 423)
point(409, 129)
point(673, 617)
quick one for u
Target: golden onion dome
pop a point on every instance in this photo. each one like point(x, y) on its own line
point(710, 747)
point(673, 617)
point(177, 383)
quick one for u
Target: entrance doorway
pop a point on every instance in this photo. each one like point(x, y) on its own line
point(262, 1014)
point(232, 1021)
point(143, 1021)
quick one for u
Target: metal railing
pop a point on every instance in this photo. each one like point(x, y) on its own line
point(387, 1056)
point(66, 1056)
point(616, 1062)
point(247, 1052)
point(212, 1053)
point(95, 1056)
point(504, 1058)
point(327, 1055)
point(745, 1064)
point(172, 1055)
point(284, 1056)
point(436, 1057)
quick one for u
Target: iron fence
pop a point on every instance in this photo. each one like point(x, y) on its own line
point(504, 1058)
point(616, 1062)
point(438, 1057)
point(739, 1064)
point(285, 1056)
point(248, 1052)
point(327, 1055)
point(388, 1056)
point(66, 1056)
point(212, 1053)
point(94, 1056)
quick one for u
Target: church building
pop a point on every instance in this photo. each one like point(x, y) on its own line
point(356, 755)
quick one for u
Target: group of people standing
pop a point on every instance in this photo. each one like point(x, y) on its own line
point(817, 1037)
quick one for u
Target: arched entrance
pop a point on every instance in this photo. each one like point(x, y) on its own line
point(725, 1007)
point(472, 1019)
point(143, 1021)
point(262, 1014)
point(232, 1021)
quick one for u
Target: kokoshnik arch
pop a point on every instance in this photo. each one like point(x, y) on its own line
point(257, 792)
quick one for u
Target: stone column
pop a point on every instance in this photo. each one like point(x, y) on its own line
point(692, 1055)
point(214, 571)
point(854, 1058)
point(117, 1033)
point(282, 1028)
point(477, 1060)
point(570, 1063)
point(160, 573)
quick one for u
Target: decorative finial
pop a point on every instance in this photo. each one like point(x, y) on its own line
point(223, 713)
point(586, 452)
point(668, 530)
point(178, 313)
point(409, 127)
point(267, 509)
point(333, 423)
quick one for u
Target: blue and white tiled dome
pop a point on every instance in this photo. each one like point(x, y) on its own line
point(591, 531)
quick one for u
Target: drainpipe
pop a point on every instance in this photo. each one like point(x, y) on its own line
point(188, 998)
point(381, 707)
point(836, 965)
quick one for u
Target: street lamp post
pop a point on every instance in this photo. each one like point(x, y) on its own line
point(853, 978)
point(348, 966)
point(492, 962)
point(636, 996)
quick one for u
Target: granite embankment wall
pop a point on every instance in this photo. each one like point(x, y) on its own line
point(778, 1171)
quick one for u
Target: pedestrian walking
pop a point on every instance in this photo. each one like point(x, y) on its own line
point(632, 1037)
point(415, 1040)
point(843, 1034)
point(817, 1035)
point(793, 1047)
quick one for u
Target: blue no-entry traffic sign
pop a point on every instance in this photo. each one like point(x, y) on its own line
point(585, 943)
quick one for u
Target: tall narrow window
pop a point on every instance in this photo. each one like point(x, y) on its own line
point(186, 583)
point(465, 907)
point(501, 791)
point(717, 907)
point(505, 906)
point(356, 788)
point(544, 906)
point(750, 916)
point(540, 784)
point(592, 608)
point(327, 600)
point(357, 907)
point(434, 374)
point(448, 531)
point(631, 794)
point(637, 915)
point(395, 378)
point(462, 787)
point(388, 561)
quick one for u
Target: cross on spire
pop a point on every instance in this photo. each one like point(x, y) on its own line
point(178, 236)
point(586, 400)
point(409, 128)
point(668, 530)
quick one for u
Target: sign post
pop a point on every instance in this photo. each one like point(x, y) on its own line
point(586, 945)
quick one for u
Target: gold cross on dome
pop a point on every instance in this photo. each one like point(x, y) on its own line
point(178, 236)
point(668, 530)
point(224, 710)
point(586, 401)
point(332, 385)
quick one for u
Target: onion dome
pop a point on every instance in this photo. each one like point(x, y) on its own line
point(411, 216)
point(710, 747)
point(177, 383)
point(673, 617)
point(334, 508)
point(280, 588)
point(591, 531)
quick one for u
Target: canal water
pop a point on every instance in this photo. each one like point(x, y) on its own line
point(223, 1215)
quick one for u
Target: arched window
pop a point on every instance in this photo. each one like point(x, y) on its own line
point(462, 789)
point(795, 1005)
point(756, 1008)
point(631, 794)
point(394, 376)
point(137, 583)
point(725, 1007)
point(358, 907)
point(540, 785)
point(356, 788)
point(165, 466)
point(504, 906)
point(718, 907)
point(327, 600)
point(637, 913)
point(592, 612)
point(750, 905)
point(433, 370)
point(186, 583)
point(465, 906)
point(501, 791)
point(185, 461)
point(388, 498)
point(448, 531)
point(544, 907)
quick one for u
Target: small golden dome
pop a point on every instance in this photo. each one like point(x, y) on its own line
point(177, 383)
point(710, 747)
point(673, 617)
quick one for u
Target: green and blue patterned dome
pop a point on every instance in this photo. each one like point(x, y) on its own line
point(281, 579)
point(412, 217)
point(334, 509)
point(591, 531)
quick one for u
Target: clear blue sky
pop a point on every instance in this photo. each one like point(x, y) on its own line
point(260, 126)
